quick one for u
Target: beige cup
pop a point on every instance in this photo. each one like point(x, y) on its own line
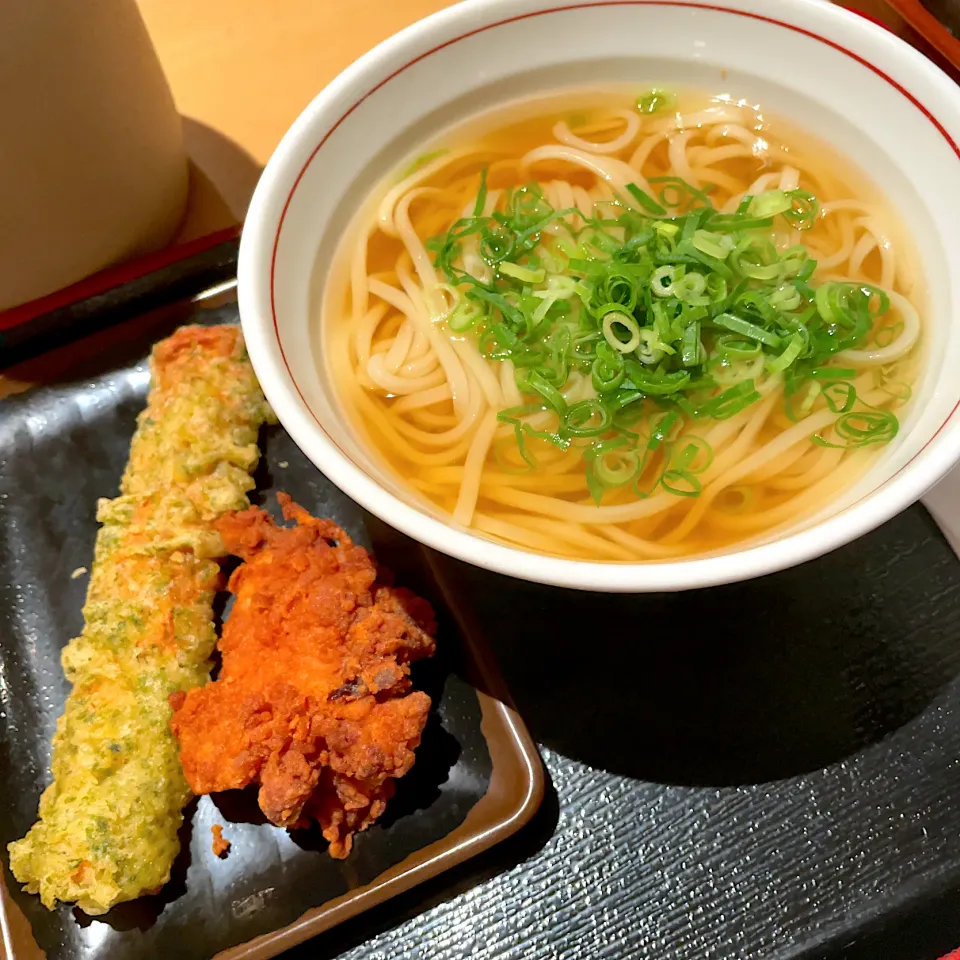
point(92, 166)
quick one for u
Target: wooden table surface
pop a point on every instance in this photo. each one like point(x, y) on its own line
point(242, 70)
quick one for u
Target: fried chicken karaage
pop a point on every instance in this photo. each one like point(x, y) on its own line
point(314, 700)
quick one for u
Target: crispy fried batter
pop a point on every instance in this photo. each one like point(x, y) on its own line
point(221, 845)
point(314, 699)
point(107, 829)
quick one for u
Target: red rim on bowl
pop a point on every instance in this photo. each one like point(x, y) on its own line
point(539, 13)
point(761, 563)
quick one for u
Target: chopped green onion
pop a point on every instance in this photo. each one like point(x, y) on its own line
point(860, 429)
point(533, 381)
point(756, 260)
point(831, 373)
point(793, 350)
point(650, 350)
point(747, 329)
point(733, 400)
point(495, 247)
point(681, 483)
point(716, 245)
point(734, 348)
point(559, 287)
point(608, 370)
point(693, 449)
point(540, 312)
point(717, 288)
point(806, 271)
point(771, 203)
point(655, 100)
point(839, 396)
point(690, 349)
point(521, 273)
point(831, 306)
point(616, 468)
point(803, 210)
point(465, 316)
point(481, 200)
point(610, 324)
point(690, 288)
point(668, 312)
point(897, 389)
point(588, 418)
point(645, 200)
point(661, 283)
point(680, 189)
point(886, 335)
point(662, 430)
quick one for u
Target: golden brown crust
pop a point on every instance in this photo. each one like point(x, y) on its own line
point(107, 829)
point(221, 845)
point(314, 700)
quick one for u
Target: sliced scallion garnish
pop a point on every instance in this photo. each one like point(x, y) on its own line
point(670, 311)
point(655, 100)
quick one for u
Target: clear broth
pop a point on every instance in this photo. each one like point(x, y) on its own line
point(774, 496)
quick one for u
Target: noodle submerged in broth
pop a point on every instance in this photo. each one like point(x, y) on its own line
point(642, 329)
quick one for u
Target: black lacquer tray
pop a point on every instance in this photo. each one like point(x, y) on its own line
point(764, 770)
point(477, 778)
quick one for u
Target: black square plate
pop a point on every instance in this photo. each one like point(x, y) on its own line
point(477, 778)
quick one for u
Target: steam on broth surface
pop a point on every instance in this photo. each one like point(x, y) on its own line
point(620, 328)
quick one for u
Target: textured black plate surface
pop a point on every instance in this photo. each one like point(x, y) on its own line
point(63, 446)
point(766, 770)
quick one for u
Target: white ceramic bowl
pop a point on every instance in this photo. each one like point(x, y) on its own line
point(834, 73)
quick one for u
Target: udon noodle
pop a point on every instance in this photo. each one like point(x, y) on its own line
point(466, 330)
